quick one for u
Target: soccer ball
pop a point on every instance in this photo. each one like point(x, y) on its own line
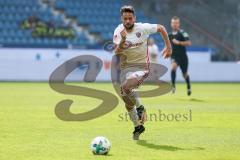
point(100, 146)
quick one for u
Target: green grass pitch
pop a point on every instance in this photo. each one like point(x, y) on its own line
point(30, 130)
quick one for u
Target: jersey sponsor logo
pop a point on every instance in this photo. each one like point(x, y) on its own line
point(129, 44)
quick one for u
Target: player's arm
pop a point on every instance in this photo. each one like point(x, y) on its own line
point(185, 42)
point(119, 47)
point(167, 51)
point(182, 43)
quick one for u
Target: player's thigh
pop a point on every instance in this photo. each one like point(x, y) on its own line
point(184, 67)
point(134, 79)
point(130, 83)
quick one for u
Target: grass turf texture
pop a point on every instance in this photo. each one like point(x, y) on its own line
point(30, 130)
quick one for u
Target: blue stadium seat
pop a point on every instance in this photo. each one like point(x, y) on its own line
point(100, 16)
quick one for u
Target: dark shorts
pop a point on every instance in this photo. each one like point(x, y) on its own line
point(182, 62)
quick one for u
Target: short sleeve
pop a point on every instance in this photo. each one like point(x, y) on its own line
point(149, 28)
point(116, 37)
point(185, 36)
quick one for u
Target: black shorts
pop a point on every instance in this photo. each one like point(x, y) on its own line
point(182, 62)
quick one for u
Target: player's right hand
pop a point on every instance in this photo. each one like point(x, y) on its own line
point(167, 52)
point(123, 33)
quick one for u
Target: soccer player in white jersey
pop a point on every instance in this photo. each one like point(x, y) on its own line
point(130, 39)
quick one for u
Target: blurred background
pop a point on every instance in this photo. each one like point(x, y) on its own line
point(36, 36)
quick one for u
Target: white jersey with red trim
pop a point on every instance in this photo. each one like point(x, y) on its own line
point(136, 42)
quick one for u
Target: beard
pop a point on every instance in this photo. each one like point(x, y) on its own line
point(129, 27)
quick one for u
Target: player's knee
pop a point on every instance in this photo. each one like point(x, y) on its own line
point(129, 102)
point(126, 88)
point(174, 68)
point(185, 75)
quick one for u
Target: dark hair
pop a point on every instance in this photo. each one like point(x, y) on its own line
point(175, 18)
point(127, 9)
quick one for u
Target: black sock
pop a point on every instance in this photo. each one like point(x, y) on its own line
point(188, 82)
point(173, 77)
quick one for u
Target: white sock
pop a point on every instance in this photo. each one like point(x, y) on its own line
point(134, 116)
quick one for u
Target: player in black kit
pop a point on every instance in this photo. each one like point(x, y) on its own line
point(179, 40)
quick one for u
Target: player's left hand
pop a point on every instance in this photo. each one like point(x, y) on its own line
point(167, 52)
point(177, 42)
